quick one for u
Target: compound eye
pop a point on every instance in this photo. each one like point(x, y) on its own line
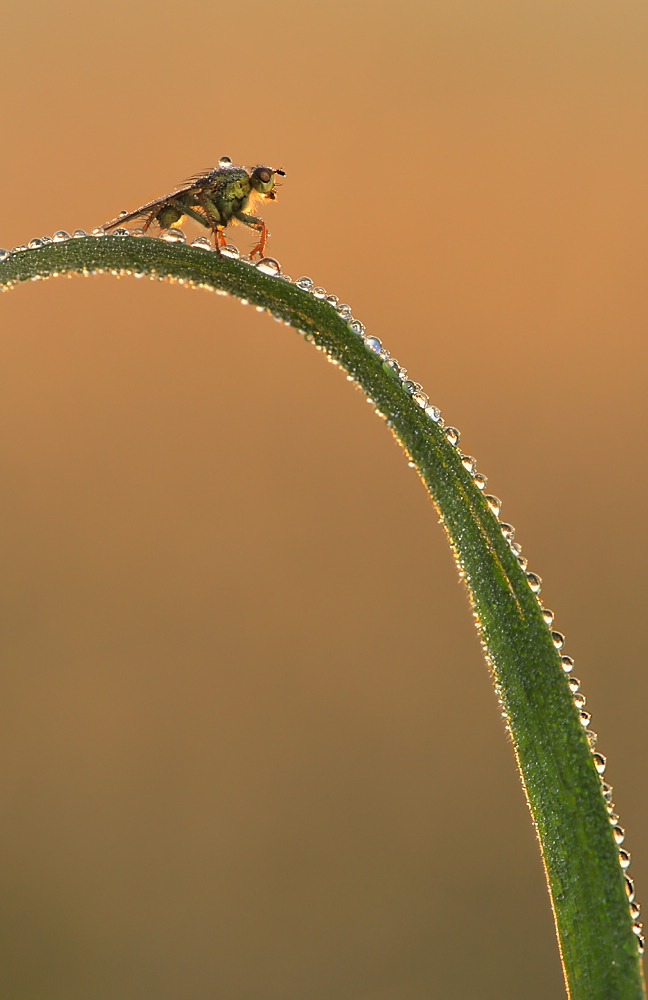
point(263, 175)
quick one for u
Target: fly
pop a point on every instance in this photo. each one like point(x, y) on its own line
point(214, 199)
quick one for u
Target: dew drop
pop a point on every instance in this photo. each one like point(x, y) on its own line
point(19, 249)
point(332, 300)
point(173, 236)
point(229, 250)
point(60, 236)
point(591, 737)
point(344, 311)
point(421, 399)
point(479, 479)
point(585, 719)
point(629, 887)
point(606, 791)
point(624, 858)
point(202, 243)
point(410, 386)
point(4, 254)
point(507, 530)
point(469, 463)
point(118, 232)
point(516, 548)
point(305, 283)
point(373, 344)
point(566, 662)
point(392, 367)
point(319, 292)
point(573, 684)
point(579, 698)
point(452, 435)
point(600, 762)
point(225, 161)
point(548, 617)
point(99, 231)
point(357, 327)
point(619, 836)
point(34, 244)
point(494, 503)
point(641, 944)
point(558, 639)
point(635, 910)
point(122, 213)
point(79, 234)
point(268, 265)
point(46, 239)
point(613, 817)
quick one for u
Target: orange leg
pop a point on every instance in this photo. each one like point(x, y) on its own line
point(255, 223)
point(263, 239)
point(219, 239)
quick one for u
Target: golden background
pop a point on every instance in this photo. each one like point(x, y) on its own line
point(250, 749)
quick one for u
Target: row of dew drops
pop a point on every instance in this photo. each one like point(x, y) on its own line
point(270, 266)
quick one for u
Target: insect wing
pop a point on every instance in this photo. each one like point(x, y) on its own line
point(150, 206)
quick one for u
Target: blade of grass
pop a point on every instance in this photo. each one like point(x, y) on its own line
point(588, 890)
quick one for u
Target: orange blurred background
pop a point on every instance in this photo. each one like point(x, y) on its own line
point(250, 748)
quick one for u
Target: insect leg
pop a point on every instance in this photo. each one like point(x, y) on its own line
point(191, 212)
point(149, 221)
point(255, 223)
point(219, 239)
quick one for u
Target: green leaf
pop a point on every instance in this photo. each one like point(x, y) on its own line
point(588, 888)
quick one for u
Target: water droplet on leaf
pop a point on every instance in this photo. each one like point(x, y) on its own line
point(558, 639)
point(268, 265)
point(173, 236)
point(494, 503)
